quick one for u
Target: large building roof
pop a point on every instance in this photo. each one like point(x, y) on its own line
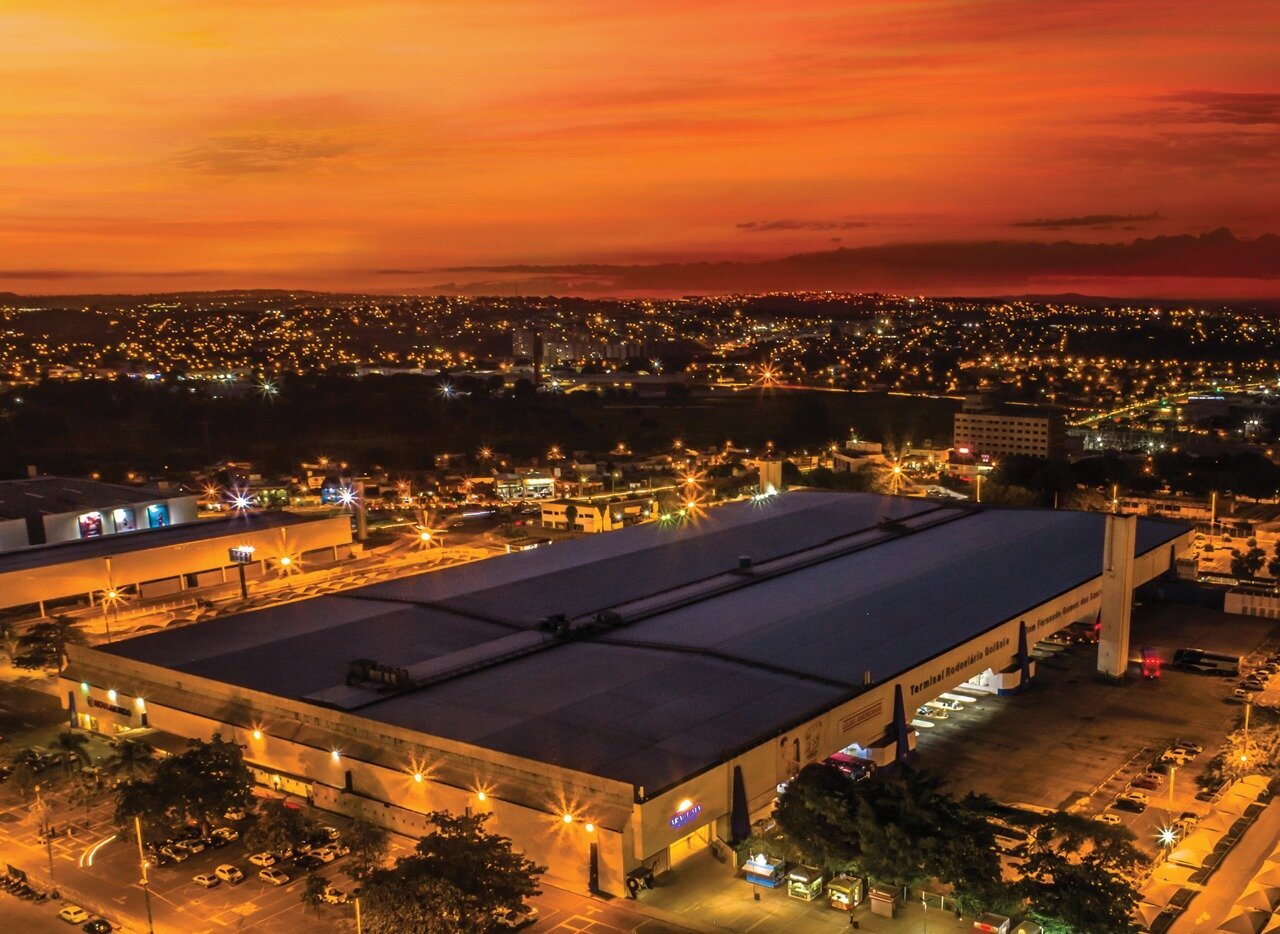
point(51, 496)
point(670, 656)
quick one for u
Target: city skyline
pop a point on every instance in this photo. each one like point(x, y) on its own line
point(401, 147)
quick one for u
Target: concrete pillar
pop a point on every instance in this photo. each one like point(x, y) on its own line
point(362, 520)
point(1117, 594)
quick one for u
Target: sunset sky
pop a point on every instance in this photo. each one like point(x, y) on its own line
point(340, 145)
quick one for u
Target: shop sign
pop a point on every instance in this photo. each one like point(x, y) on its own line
point(686, 816)
point(123, 711)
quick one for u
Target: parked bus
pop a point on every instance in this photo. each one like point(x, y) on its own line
point(1219, 663)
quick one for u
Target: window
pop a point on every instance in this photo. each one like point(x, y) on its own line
point(90, 525)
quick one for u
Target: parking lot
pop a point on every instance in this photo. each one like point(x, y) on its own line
point(1074, 741)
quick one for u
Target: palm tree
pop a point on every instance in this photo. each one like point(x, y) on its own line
point(132, 758)
point(72, 745)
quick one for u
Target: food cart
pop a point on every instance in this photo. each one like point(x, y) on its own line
point(805, 883)
point(844, 893)
point(761, 870)
point(885, 901)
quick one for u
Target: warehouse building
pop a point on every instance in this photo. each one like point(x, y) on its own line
point(167, 560)
point(619, 701)
point(47, 510)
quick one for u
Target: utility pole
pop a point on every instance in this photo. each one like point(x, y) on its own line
point(46, 833)
point(142, 862)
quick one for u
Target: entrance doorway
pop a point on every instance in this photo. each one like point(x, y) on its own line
point(688, 845)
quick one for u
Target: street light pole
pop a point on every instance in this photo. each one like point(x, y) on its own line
point(146, 885)
point(359, 930)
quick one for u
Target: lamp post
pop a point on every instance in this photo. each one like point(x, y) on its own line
point(47, 833)
point(142, 862)
point(240, 556)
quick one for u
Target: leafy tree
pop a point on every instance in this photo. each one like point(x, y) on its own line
point(195, 786)
point(963, 854)
point(136, 797)
point(56, 633)
point(369, 846)
point(406, 899)
point(455, 880)
point(1248, 563)
point(816, 813)
point(278, 827)
point(1077, 874)
point(27, 774)
point(312, 894)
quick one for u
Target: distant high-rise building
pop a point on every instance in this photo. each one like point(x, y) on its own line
point(984, 429)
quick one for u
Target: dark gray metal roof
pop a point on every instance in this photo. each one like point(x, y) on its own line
point(707, 660)
point(51, 496)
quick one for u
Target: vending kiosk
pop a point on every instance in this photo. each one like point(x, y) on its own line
point(761, 870)
point(885, 901)
point(844, 893)
point(805, 883)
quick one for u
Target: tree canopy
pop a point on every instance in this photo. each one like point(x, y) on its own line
point(196, 786)
point(458, 876)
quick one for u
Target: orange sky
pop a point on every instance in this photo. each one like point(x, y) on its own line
point(314, 143)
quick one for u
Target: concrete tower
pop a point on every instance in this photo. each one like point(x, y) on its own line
point(1117, 594)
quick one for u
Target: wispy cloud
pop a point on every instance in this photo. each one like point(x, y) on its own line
point(1245, 109)
point(1087, 220)
point(774, 226)
point(253, 154)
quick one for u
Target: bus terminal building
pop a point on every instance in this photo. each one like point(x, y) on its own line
point(618, 701)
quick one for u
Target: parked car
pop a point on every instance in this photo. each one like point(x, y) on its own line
point(229, 834)
point(322, 853)
point(274, 876)
point(206, 879)
point(175, 853)
point(234, 814)
point(73, 914)
point(515, 918)
point(191, 846)
point(1148, 780)
point(1106, 817)
point(333, 895)
point(229, 874)
point(329, 833)
point(263, 859)
point(1134, 801)
point(1187, 747)
point(97, 926)
point(307, 862)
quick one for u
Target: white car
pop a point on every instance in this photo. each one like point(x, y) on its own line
point(234, 814)
point(515, 918)
point(323, 853)
point(333, 895)
point(230, 874)
point(274, 877)
point(1108, 818)
point(73, 914)
point(206, 879)
point(227, 833)
point(1137, 797)
point(330, 833)
point(263, 859)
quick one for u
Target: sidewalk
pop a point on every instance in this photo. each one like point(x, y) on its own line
point(707, 895)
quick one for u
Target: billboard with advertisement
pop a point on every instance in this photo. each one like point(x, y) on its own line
point(90, 525)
